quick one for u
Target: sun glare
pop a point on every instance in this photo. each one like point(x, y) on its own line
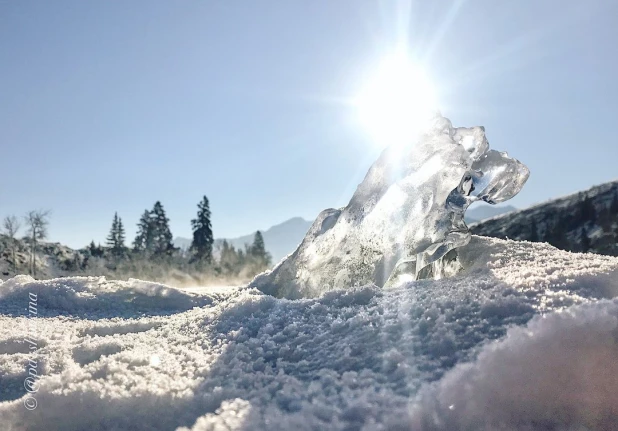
point(396, 102)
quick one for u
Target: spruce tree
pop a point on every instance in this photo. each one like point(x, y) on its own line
point(121, 237)
point(228, 258)
point(162, 244)
point(258, 251)
point(116, 237)
point(94, 250)
point(201, 246)
point(240, 256)
point(112, 240)
point(144, 238)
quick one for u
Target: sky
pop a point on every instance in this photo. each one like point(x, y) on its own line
point(110, 106)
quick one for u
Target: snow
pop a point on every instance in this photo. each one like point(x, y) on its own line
point(523, 339)
point(408, 212)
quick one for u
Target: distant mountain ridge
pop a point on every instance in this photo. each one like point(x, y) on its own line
point(485, 211)
point(585, 221)
point(280, 240)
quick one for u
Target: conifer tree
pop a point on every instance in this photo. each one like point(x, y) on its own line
point(201, 246)
point(121, 237)
point(111, 238)
point(240, 256)
point(258, 251)
point(144, 238)
point(162, 244)
point(94, 250)
point(116, 237)
point(258, 248)
point(228, 258)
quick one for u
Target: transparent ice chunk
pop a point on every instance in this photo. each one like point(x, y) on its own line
point(406, 215)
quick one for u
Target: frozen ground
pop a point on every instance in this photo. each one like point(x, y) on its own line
point(525, 339)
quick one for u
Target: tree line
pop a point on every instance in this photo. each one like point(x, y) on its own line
point(152, 252)
point(153, 242)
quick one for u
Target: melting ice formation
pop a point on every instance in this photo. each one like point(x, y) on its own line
point(404, 219)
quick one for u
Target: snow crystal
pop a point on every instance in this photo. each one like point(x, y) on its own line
point(523, 339)
point(406, 214)
point(558, 371)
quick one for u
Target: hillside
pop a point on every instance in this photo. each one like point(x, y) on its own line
point(52, 259)
point(584, 222)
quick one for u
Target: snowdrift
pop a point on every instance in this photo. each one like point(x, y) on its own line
point(524, 339)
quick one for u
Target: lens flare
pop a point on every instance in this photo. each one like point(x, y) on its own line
point(396, 102)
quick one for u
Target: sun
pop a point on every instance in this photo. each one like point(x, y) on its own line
point(396, 102)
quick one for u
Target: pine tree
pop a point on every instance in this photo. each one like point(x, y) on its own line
point(228, 259)
point(258, 251)
point(121, 237)
point(144, 239)
point(94, 250)
point(112, 237)
point(162, 244)
point(116, 237)
point(201, 246)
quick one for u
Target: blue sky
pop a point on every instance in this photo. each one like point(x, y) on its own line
point(111, 106)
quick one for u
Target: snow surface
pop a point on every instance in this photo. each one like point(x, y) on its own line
point(524, 339)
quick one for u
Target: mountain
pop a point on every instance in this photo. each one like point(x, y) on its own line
point(280, 240)
point(584, 222)
point(485, 211)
